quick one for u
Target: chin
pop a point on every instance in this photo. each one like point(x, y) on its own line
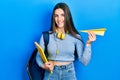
point(60, 26)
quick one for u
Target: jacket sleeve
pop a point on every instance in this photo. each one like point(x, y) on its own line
point(84, 53)
point(38, 57)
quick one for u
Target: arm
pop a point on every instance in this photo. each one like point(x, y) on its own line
point(38, 57)
point(48, 65)
point(84, 53)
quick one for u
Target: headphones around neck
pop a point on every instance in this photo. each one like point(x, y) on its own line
point(61, 35)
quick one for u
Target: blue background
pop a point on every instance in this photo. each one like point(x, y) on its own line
point(22, 22)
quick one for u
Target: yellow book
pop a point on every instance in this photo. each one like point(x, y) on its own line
point(42, 54)
point(99, 31)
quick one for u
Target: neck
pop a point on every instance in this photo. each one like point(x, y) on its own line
point(60, 30)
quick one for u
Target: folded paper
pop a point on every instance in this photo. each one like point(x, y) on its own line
point(99, 31)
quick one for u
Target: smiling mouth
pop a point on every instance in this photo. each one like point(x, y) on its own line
point(60, 22)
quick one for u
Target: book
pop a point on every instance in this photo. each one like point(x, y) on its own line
point(99, 31)
point(42, 54)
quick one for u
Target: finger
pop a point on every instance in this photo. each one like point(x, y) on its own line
point(89, 33)
point(91, 38)
point(92, 35)
point(51, 68)
point(48, 63)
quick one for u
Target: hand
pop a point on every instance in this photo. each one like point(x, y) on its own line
point(48, 66)
point(91, 38)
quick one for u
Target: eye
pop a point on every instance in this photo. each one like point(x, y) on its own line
point(55, 15)
point(63, 15)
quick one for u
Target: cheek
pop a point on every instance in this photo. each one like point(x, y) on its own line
point(63, 18)
point(55, 19)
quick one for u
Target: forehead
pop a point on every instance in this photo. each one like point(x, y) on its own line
point(59, 11)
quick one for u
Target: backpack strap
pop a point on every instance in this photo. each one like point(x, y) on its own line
point(46, 41)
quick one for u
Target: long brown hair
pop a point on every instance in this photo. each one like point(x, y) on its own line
point(68, 23)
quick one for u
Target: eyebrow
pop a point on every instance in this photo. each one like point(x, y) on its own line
point(60, 14)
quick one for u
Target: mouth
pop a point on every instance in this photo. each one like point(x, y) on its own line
point(61, 24)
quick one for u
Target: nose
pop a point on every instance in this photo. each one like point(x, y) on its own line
point(59, 18)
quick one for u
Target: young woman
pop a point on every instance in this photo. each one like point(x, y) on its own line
point(63, 41)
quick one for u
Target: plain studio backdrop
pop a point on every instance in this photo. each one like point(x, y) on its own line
point(23, 21)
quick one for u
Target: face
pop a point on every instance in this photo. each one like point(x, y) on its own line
point(59, 17)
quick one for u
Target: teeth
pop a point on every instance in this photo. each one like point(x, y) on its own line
point(60, 22)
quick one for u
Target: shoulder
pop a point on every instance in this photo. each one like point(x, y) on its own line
point(78, 38)
point(49, 32)
point(75, 37)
